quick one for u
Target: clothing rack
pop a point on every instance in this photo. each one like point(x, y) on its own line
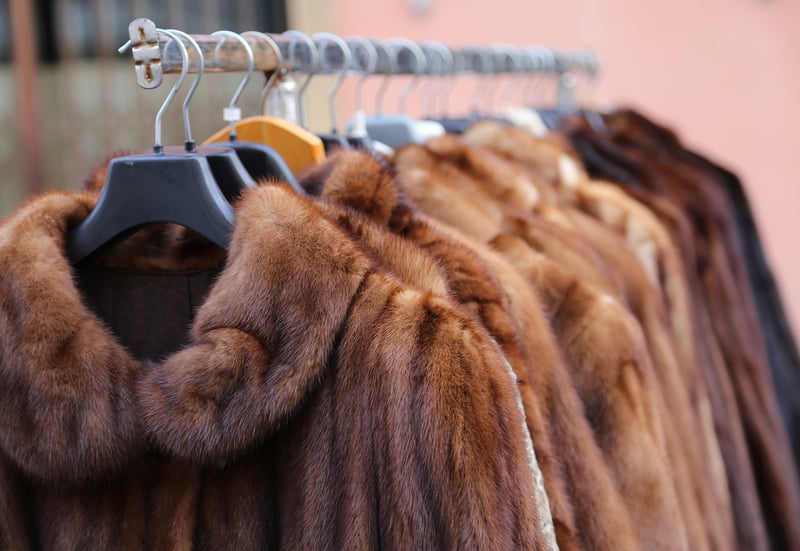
point(292, 52)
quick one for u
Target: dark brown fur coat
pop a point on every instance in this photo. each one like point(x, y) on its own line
point(646, 163)
point(320, 403)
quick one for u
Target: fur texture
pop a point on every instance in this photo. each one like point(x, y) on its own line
point(694, 454)
point(459, 196)
point(733, 334)
point(738, 331)
point(321, 403)
point(651, 424)
point(335, 183)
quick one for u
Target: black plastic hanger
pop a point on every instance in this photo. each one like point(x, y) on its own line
point(229, 172)
point(260, 161)
point(333, 142)
point(154, 188)
point(274, 147)
point(362, 143)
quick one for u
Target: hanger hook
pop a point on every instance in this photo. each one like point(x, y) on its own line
point(189, 144)
point(446, 74)
point(454, 66)
point(367, 70)
point(398, 44)
point(232, 114)
point(435, 61)
point(530, 66)
point(158, 146)
point(502, 63)
point(391, 65)
point(514, 66)
point(538, 63)
point(297, 35)
point(279, 67)
point(486, 68)
point(347, 61)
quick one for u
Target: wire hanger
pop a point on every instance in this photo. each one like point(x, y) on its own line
point(259, 160)
point(155, 188)
point(447, 78)
point(437, 62)
point(546, 65)
point(400, 129)
point(229, 172)
point(357, 128)
point(479, 61)
point(299, 148)
point(333, 140)
point(516, 114)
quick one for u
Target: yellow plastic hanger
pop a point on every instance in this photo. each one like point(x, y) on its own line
point(299, 148)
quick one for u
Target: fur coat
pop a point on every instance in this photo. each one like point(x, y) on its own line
point(426, 168)
point(318, 403)
point(587, 509)
point(639, 464)
point(656, 175)
point(657, 295)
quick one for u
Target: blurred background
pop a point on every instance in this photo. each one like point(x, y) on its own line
point(723, 73)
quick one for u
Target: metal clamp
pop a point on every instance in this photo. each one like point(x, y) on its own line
point(146, 52)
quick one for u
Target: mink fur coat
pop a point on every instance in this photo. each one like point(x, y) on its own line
point(600, 343)
point(318, 403)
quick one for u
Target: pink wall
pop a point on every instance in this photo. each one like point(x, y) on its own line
point(724, 73)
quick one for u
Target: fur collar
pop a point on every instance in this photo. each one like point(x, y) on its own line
point(73, 401)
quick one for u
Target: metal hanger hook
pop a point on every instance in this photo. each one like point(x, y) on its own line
point(398, 44)
point(486, 68)
point(392, 65)
point(503, 63)
point(158, 146)
point(233, 114)
point(515, 64)
point(279, 67)
point(347, 61)
point(297, 35)
point(447, 75)
point(453, 65)
point(437, 66)
point(540, 61)
point(372, 61)
point(187, 127)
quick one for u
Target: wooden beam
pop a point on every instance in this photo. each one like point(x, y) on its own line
point(25, 57)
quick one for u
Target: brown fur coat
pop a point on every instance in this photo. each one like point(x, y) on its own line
point(424, 169)
point(587, 509)
point(626, 233)
point(319, 403)
point(641, 429)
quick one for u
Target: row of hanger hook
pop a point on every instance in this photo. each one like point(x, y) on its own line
point(355, 56)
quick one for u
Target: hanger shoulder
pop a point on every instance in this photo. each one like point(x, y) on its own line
point(146, 189)
point(298, 147)
point(262, 162)
point(226, 167)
